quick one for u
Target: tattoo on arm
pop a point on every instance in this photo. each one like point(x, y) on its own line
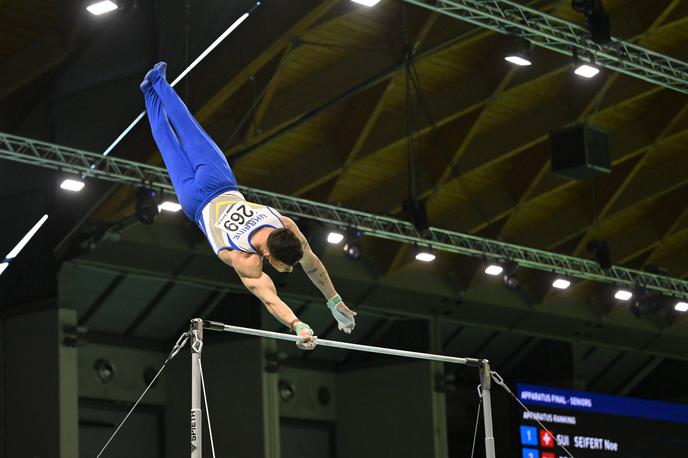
point(312, 271)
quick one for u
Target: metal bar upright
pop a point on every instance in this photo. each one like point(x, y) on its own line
point(196, 410)
point(485, 385)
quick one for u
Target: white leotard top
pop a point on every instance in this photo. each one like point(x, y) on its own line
point(228, 221)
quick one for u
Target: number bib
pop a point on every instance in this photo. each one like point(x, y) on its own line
point(241, 219)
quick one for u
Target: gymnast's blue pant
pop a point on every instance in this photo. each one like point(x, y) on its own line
point(198, 169)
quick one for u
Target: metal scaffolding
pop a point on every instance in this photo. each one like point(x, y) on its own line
point(70, 160)
point(564, 37)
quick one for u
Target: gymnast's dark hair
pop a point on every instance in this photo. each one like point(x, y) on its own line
point(285, 246)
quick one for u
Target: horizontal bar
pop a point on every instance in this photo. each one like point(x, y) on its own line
point(215, 326)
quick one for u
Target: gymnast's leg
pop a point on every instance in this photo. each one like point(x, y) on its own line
point(178, 166)
point(212, 172)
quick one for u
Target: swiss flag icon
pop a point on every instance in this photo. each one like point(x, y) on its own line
point(547, 455)
point(546, 439)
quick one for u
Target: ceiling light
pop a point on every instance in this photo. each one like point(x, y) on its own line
point(367, 2)
point(72, 185)
point(519, 52)
point(586, 70)
point(103, 7)
point(518, 60)
point(3, 266)
point(335, 237)
point(169, 206)
point(494, 269)
point(623, 295)
point(425, 256)
point(681, 307)
point(561, 283)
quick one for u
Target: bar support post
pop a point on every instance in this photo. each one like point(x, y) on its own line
point(485, 384)
point(196, 332)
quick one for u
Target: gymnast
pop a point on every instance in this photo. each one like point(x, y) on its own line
point(242, 234)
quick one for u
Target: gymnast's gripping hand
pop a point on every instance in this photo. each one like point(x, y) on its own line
point(343, 314)
point(308, 340)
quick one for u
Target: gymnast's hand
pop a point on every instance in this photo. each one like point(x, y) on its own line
point(344, 316)
point(308, 340)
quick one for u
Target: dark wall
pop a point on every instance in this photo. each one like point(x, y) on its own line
point(386, 411)
point(234, 382)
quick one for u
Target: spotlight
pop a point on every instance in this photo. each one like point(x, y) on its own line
point(102, 7)
point(645, 303)
point(586, 70)
point(425, 255)
point(352, 250)
point(3, 266)
point(286, 390)
point(367, 2)
point(519, 52)
point(146, 206)
point(169, 206)
point(494, 269)
point(623, 295)
point(335, 238)
point(509, 277)
point(601, 250)
point(561, 283)
point(72, 185)
point(681, 307)
point(105, 370)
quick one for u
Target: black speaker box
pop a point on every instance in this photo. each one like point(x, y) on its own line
point(579, 152)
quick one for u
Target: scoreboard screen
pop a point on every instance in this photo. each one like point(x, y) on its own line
point(593, 425)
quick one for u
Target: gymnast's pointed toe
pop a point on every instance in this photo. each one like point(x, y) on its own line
point(161, 67)
point(158, 71)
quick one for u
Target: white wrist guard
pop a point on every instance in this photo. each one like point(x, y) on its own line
point(345, 319)
point(333, 301)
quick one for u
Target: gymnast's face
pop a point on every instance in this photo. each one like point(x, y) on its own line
point(279, 265)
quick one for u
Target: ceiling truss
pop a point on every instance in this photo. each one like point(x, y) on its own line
point(135, 174)
point(564, 37)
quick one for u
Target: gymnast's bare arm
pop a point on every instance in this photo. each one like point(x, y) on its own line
point(249, 267)
point(318, 275)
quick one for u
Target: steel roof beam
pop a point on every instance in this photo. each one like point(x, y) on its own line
point(126, 172)
point(564, 37)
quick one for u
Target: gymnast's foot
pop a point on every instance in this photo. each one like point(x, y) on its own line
point(159, 70)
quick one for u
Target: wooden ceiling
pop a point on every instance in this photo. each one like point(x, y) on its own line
point(329, 124)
